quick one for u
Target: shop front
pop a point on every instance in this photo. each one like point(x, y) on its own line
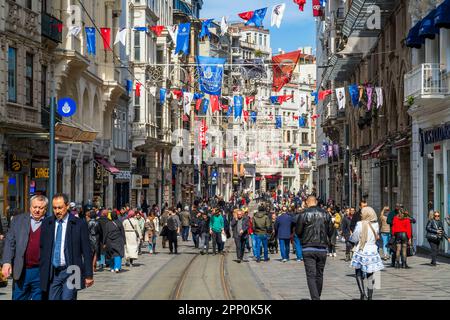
point(122, 188)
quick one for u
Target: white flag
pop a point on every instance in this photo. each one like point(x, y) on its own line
point(121, 36)
point(187, 100)
point(224, 26)
point(340, 95)
point(173, 32)
point(303, 105)
point(379, 92)
point(277, 14)
point(73, 31)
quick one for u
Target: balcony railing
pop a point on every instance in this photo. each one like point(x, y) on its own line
point(183, 7)
point(427, 80)
point(50, 27)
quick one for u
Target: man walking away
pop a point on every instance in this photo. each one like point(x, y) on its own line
point(239, 225)
point(185, 218)
point(261, 228)
point(314, 229)
point(357, 216)
point(283, 228)
point(195, 219)
point(346, 233)
point(216, 224)
point(204, 232)
point(173, 225)
point(21, 253)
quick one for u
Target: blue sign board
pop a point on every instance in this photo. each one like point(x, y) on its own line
point(67, 107)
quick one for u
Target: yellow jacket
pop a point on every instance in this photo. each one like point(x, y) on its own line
point(337, 221)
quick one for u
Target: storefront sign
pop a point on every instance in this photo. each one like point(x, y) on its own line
point(123, 175)
point(136, 181)
point(434, 135)
point(41, 173)
point(98, 177)
point(16, 166)
point(145, 181)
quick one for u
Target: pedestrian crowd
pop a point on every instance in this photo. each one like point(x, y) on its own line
point(41, 250)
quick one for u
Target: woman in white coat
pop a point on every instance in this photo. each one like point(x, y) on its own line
point(133, 236)
point(366, 259)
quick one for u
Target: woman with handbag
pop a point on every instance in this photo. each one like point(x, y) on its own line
point(401, 230)
point(435, 234)
point(366, 260)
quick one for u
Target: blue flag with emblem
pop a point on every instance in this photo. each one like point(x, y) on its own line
point(129, 86)
point(162, 95)
point(316, 97)
point(253, 116)
point(354, 94)
point(278, 122)
point(238, 105)
point(90, 40)
point(205, 28)
point(184, 32)
point(274, 99)
point(205, 103)
point(211, 74)
point(258, 17)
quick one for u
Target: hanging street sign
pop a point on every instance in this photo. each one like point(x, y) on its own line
point(67, 107)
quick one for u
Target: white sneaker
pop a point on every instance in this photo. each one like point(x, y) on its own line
point(334, 254)
point(112, 270)
point(284, 260)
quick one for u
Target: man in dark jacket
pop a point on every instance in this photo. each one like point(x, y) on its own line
point(261, 229)
point(239, 225)
point(346, 233)
point(314, 230)
point(203, 228)
point(22, 251)
point(102, 222)
point(283, 229)
point(185, 218)
point(357, 216)
point(65, 253)
point(195, 222)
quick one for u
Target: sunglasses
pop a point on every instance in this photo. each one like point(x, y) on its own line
point(437, 215)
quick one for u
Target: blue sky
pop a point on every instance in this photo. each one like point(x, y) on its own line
point(296, 30)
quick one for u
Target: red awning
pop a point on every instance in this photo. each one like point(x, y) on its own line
point(108, 166)
point(377, 150)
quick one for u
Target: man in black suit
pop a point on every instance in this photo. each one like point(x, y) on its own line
point(66, 258)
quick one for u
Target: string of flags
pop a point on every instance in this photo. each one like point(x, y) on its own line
point(356, 93)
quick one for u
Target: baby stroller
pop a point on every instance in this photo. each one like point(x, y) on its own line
point(273, 243)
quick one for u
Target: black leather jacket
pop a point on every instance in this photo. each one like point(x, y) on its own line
point(433, 226)
point(314, 228)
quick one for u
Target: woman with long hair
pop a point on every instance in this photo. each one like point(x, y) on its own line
point(366, 260)
point(385, 232)
point(401, 230)
point(435, 234)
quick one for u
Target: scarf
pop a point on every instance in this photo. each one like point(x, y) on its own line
point(368, 216)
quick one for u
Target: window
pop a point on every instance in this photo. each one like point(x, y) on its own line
point(12, 74)
point(137, 45)
point(288, 136)
point(265, 40)
point(137, 109)
point(293, 96)
point(44, 6)
point(120, 130)
point(304, 138)
point(29, 79)
point(44, 102)
point(260, 40)
point(29, 4)
point(249, 37)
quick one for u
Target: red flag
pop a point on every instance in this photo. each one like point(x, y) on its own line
point(224, 107)
point(295, 117)
point(314, 117)
point(324, 94)
point(178, 93)
point(202, 135)
point(157, 30)
point(138, 89)
point(283, 67)
point(301, 4)
point(106, 36)
point(185, 118)
point(317, 8)
point(249, 100)
point(282, 99)
point(245, 112)
point(198, 104)
point(246, 15)
point(214, 103)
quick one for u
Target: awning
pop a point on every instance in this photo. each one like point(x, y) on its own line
point(367, 153)
point(442, 15)
point(404, 142)
point(428, 29)
point(108, 166)
point(377, 150)
point(413, 40)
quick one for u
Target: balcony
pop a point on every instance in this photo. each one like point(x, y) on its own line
point(183, 7)
point(50, 28)
point(236, 51)
point(428, 83)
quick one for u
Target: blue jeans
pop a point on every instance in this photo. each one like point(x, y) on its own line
point(59, 289)
point(284, 248)
point(102, 260)
point(29, 286)
point(298, 247)
point(116, 263)
point(253, 236)
point(185, 233)
point(385, 237)
point(152, 244)
point(261, 238)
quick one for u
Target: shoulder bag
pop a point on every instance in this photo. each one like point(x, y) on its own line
point(137, 234)
point(433, 237)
